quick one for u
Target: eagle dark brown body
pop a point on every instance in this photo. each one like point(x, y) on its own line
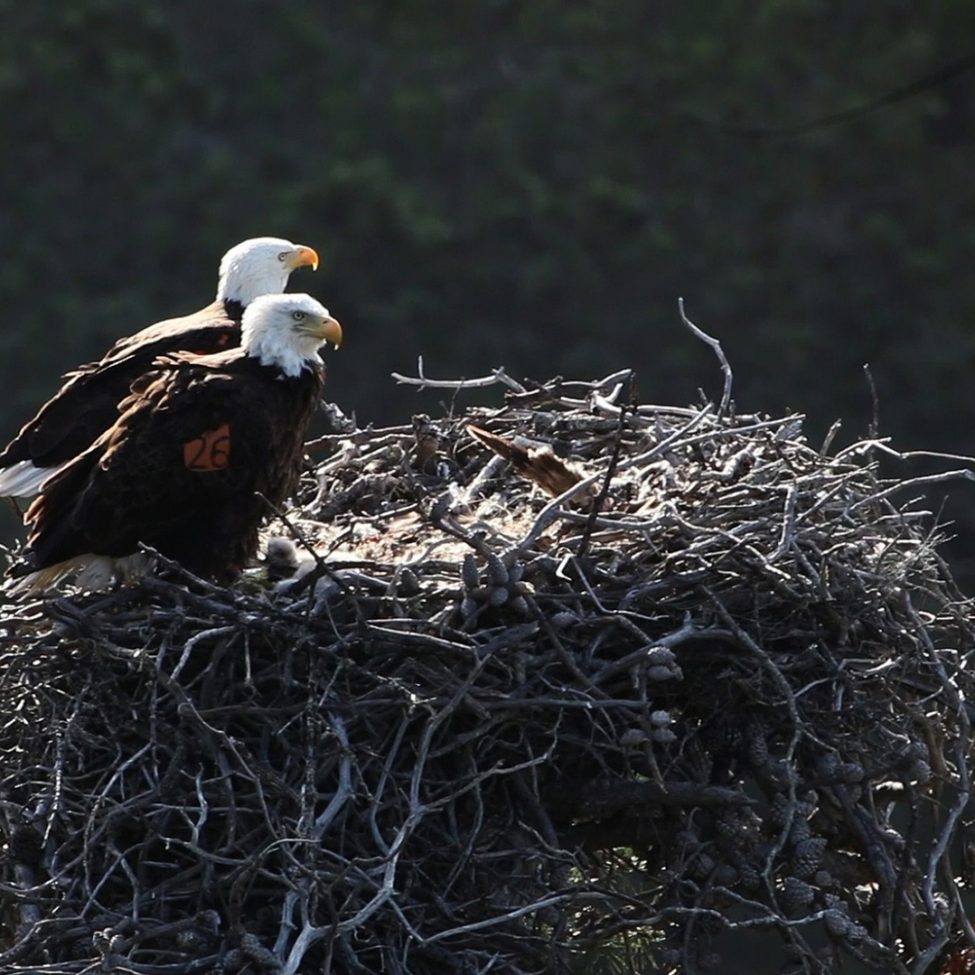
point(181, 469)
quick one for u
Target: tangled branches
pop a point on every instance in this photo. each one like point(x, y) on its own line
point(717, 684)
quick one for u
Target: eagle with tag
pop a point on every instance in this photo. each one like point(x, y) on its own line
point(199, 447)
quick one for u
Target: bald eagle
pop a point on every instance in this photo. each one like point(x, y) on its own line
point(85, 406)
point(194, 444)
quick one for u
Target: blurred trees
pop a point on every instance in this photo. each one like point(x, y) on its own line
point(496, 182)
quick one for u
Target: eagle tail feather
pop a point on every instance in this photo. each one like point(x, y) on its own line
point(23, 479)
point(86, 571)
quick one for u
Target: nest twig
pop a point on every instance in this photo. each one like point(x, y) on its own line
point(717, 684)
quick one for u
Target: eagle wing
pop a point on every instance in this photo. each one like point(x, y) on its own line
point(87, 403)
point(208, 330)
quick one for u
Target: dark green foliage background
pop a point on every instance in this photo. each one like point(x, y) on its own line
point(529, 184)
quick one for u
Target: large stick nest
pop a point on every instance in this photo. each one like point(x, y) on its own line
point(715, 686)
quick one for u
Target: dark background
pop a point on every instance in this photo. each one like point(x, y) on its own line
point(529, 184)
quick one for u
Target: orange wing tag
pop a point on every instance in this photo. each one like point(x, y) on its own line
point(210, 451)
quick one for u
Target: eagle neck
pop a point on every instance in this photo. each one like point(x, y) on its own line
point(282, 358)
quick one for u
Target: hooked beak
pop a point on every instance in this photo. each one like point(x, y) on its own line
point(328, 330)
point(302, 256)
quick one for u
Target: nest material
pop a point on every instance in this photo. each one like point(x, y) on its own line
point(717, 685)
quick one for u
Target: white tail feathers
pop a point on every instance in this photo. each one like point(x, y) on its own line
point(23, 479)
point(88, 571)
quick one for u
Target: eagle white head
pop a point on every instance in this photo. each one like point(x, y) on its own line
point(287, 331)
point(261, 266)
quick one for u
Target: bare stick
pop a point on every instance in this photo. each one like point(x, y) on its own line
point(718, 351)
point(874, 428)
point(497, 376)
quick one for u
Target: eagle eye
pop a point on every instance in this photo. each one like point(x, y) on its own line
point(282, 255)
point(298, 316)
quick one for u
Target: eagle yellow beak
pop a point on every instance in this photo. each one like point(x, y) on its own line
point(329, 330)
point(302, 256)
